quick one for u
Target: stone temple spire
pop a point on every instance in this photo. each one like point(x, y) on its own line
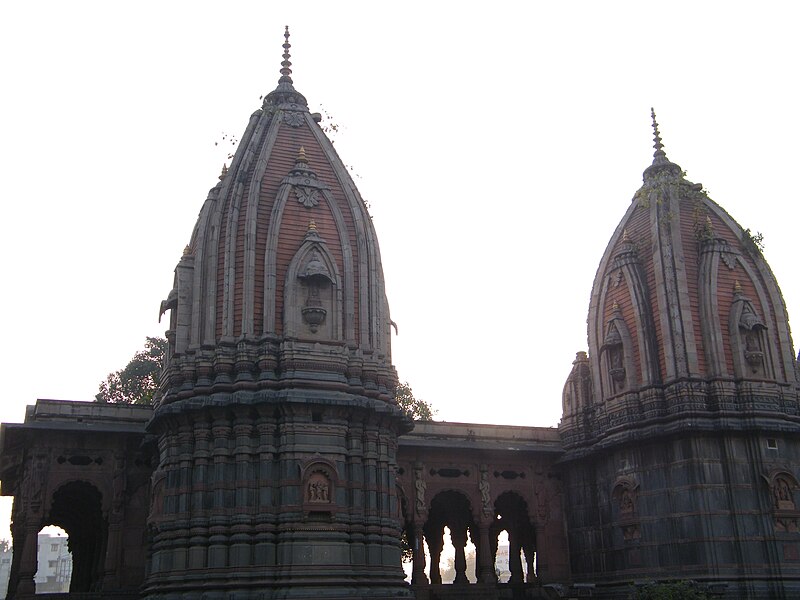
point(286, 64)
point(285, 92)
point(661, 164)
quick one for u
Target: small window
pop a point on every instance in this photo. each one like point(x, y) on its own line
point(51, 564)
point(772, 444)
point(316, 416)
point(53, 547)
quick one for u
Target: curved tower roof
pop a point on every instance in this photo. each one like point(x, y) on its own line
point(276, 421)
point(282, 277)
point(682, 297)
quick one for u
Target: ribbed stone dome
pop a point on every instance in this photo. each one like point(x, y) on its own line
point(276, 422)
point(282, 279)
point(682, 297)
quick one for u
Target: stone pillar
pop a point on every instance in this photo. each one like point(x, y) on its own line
point(541, 552)
point(111, 575)
point(28, 563)
point(418, 549)
point(514, 559)
point(485, 562)
point(435, 543)
point(459, 536)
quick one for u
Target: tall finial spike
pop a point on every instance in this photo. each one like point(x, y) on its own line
point(656, 136)
point(286, 64)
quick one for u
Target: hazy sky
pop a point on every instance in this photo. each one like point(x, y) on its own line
point(498, 144)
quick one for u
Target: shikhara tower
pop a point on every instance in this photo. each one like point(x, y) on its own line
point(276, 424)
point(681, 425)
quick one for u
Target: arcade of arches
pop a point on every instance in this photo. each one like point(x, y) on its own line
point(87, 468)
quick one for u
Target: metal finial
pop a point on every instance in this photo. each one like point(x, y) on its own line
point(301, 155)
point(615, 306)
point(224, 171)
point(656, 136)
point(286, 64)
point(187, 251)
point(625, 237)
point(737, 287)
point(312, 226)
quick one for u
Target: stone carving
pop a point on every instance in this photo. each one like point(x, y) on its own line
point(751, 330)
point(293, 119)
point(318, 489)
point(729, 259)
point(307, 196)
point(626, 504)
point(419, 489)
point(782, 494)
point(319, 477)
point(631, 532)
point(317, 279)
point(34, 482)
point(483, 486)
point(616, 366)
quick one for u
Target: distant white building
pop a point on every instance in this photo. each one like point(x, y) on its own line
point(55, 565)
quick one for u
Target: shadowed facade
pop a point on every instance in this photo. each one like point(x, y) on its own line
point(276, 464)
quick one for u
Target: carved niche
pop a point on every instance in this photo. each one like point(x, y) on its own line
point(313, 301)
point(748, 338)
point(782, 486)
point(615, 355)
point(319, 486)
point(625, 498)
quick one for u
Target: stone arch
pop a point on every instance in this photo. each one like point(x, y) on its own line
point(513, 517)
point(77, 508)
point(452, 509)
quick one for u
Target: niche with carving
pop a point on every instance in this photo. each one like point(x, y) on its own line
point(625, 498)
point(615, 355)
point(319, 486)
point(782, 486)
point(313, 292)
point(317, 282)
point(749, 338)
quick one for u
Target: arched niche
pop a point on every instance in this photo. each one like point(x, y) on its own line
point(313, 292)
point(320, 478)
point(625, 499)
point(750, 344)
point(616, 356)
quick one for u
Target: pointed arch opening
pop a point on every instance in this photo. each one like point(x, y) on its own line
point(77, 509)
point(450, 530)
point(514, 540)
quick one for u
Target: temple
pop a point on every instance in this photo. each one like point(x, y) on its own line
point(275, 462)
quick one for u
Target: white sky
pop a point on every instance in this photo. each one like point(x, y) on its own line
point(499, 145)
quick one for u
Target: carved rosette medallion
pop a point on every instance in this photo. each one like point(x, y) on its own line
point(307, 196)
point(293, 119)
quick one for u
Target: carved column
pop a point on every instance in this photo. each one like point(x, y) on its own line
point(28, 563)
point(514, 559)
point(459, 536)
point(418, 549)
point(115, 526)
point(435, 543)
point(541, 552)
point(485, 562)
